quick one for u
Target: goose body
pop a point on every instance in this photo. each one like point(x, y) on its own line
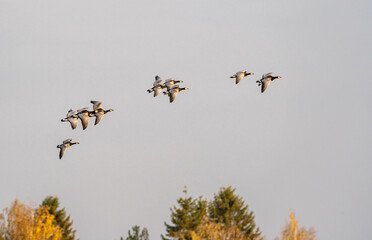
point(65, 144)
point(265, 81)
point(84, 115)
point(173, 92)
point(72, 118)
point(240, 75)
point(157, 86)
point(99, 114)
point(169, 83)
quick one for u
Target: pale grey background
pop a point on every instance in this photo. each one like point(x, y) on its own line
point(303, 144)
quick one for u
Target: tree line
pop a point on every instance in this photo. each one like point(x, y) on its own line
point(225, 217)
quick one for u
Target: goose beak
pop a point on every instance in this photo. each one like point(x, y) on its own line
point(279, 77)
point(252, 73)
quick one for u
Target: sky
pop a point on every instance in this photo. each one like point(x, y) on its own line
point(304, 144)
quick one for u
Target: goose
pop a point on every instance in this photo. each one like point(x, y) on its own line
point(172, 93)
point(240, 75)
point(65, 144)
point(84, 115)
point(265, 81)
point(157, 86)
point(99, 113)
point(72, 118)
point(169, 83)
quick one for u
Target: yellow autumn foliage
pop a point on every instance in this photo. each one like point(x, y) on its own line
point(292, 232)
point(22, 222)
point(211, 230)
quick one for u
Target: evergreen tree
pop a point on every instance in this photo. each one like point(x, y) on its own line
point(137, 234)
point(230, 210)
point(61, 218)
point(186, 218)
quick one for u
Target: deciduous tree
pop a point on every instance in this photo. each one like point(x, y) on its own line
point(61, 218)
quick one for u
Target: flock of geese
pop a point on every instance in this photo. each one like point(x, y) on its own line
point(84, 114)
point(172, 91)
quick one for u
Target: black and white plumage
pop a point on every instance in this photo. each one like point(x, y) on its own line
point(157, 86)
point(173, 92)
point(72, 118)
point(65, 144)
point(265, 81)
point(240, 75)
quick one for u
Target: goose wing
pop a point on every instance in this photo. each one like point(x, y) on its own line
point(158, 81)
point(62, 151)
point(71, 113)
point(84, 121)
point(99, 116)
point(169, 84)
point(157, 91)
point(239, 76)
point(82, 110)
point(96, 105)
point(267, 74)
point(73, 121)
point(265, 84)
point(172, 95)
point(67, 141)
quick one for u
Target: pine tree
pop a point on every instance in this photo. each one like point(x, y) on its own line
point(230, 210)
point(61, 218)
point(137, 234)
point(186, 218)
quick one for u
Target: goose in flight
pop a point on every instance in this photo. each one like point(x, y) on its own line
point(172, 93)
point(169, 83)
point(99, 114)
point(72, 118)
point(157, 86)
point(84, 115)
point(65, 144)
point(240, 75)
point(265, 81)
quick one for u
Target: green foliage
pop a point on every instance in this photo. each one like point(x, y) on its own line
point(226, 213)
point(137, 234)
point(185, 218)
point(61, 218)
point(230, 210)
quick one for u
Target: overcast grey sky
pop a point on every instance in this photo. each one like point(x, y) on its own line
point(304, 144)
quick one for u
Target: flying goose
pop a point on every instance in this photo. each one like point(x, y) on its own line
point(157, 86)
point(265, 81)
point(99, 113)
point(240, 75)
point(169, 83)
point(72, 118)
point(66, 143)
point(172, 93)
point(84, 115)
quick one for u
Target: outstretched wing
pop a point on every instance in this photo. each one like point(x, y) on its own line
point(96, 105)
point(84, 121)
point(67, 141)
point(239, 76)
point(73, 122)
point(158, 81)
point(99, 116)
point(267, 74)
point(172, 96)
point(265, 84)
point(70, 113)
point(62, 151)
